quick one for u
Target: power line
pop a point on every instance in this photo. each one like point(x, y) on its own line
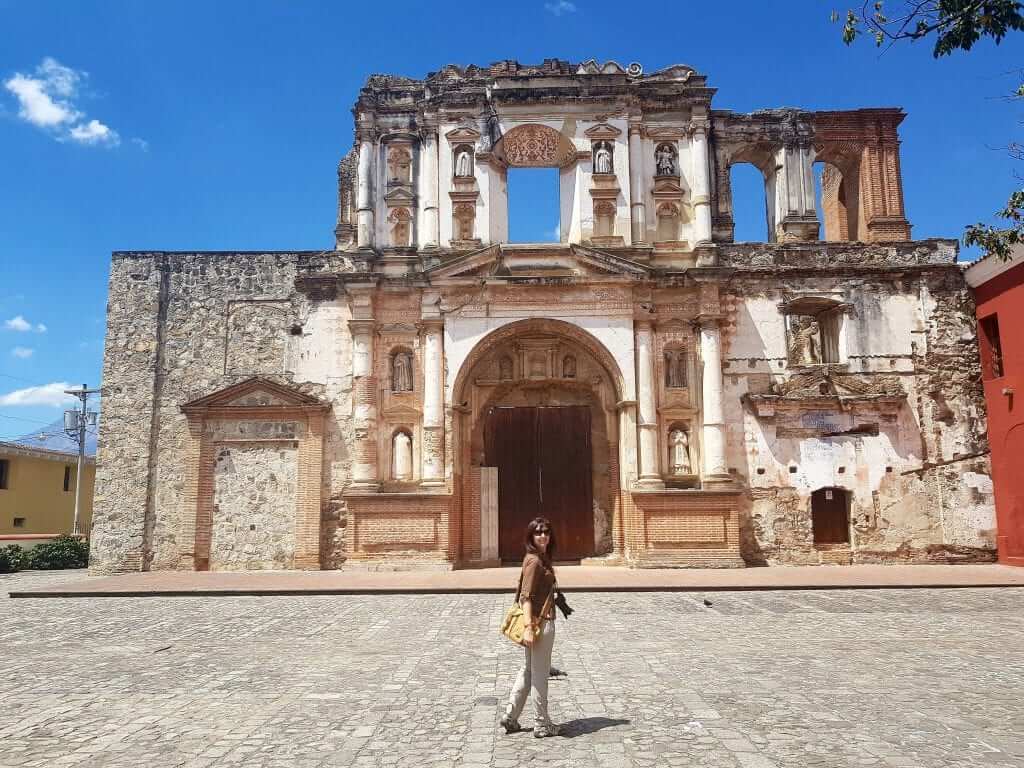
point(19, 378)
point(22, 418)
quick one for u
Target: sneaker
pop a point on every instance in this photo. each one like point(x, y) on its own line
point(509, 724)
point(543, 731)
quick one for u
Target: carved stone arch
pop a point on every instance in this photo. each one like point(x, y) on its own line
point(596, 387)
point(539, 326)
point(535, 145)
point(840, 189)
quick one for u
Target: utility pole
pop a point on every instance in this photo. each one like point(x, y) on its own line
point(75, 423)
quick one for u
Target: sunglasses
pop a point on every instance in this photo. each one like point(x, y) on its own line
point(542, 532)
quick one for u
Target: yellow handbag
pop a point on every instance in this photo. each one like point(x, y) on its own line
point(514, 624)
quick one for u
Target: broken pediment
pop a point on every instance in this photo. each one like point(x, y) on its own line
point(591, 67)
point(256, 392)
point(826, 386)
point(537, 262)
point(675, 72)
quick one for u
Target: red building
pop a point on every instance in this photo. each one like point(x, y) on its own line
point(999, 294)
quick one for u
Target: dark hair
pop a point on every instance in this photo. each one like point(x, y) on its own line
point(535, 524)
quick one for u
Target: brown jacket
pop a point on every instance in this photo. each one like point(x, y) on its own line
point(538, 580)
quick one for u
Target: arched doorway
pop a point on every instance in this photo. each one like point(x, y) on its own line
point(537, 414)
point(830, 516)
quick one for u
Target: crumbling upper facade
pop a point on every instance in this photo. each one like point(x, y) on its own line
point(665, 395)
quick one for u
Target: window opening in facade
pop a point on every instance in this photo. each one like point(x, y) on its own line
point(749, 205)
point(533, 205)
point(5, 469)
point(67, 479)
point(991, 348)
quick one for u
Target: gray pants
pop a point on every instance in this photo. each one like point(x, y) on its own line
point(534, 674)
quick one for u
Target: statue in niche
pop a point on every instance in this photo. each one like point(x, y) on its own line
point(401, 372)
point(675, 368)
point(665, 160)
point(603, 158)
point(569, 367)
point(465, 214)
point(401, 457)
point(464, 163)
point(679, 452)
point(399, 165)
point(805, 341)
point(505, 368)
point(402, 229)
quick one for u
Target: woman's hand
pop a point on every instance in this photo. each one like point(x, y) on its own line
point(529, 636)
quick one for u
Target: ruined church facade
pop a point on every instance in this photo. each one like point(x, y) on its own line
point(665, 395)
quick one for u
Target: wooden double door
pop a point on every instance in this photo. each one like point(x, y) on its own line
point(544, 460)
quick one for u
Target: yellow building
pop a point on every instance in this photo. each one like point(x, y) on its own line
point(37, 490)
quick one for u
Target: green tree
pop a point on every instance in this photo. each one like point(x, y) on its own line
point(955, 25)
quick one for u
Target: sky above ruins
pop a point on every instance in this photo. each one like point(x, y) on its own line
point(199, 125)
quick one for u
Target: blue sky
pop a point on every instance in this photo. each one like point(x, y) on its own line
point(218, 125)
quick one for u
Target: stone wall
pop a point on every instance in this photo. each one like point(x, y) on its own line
point(254, 506)
point(917, 472)
point(183, 325)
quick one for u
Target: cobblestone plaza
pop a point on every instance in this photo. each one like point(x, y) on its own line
point(903, 678)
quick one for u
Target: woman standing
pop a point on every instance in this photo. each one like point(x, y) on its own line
point(536, 597)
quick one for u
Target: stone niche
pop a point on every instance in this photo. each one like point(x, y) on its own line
point(400, 199)
point(464, 191)
point(251, 500)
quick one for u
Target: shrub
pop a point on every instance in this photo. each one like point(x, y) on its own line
point(15, 558)
point(62, 552)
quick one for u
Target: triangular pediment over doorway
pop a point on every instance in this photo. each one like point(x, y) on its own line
point(537, 262)
point(256, 392)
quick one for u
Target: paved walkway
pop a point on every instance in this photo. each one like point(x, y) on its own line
point(496, 580)
point(891, 678)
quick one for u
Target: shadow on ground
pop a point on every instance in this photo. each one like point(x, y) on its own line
point(585, 725)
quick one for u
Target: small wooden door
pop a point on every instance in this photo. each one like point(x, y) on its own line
point(830, 516)
point(543, 456)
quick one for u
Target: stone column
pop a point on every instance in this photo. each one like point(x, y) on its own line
point(794, 199)
point(647, 423)
point(638, 213)
point(715, 470)
point(432, 449)
point(364, 190)
point(364, 405)
point(431, 219)
point(701, 181)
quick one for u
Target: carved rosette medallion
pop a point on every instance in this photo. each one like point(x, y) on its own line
point(536, 146)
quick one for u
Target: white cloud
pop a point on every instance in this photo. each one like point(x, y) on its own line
point(560, 6)
point(46, 100)
point(95, 132)
point(22, 352)
point(141, 144)
point(556, 233)
point(47, 394)
point(19, 323)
